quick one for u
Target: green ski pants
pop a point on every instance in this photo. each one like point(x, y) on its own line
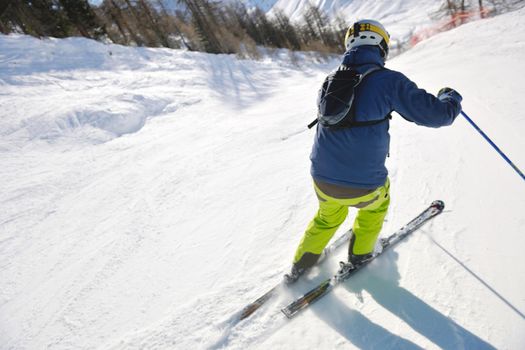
point(333, 211)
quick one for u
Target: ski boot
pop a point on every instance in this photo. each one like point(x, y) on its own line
point(357, 259)
point(294, 274)
point(300, 267)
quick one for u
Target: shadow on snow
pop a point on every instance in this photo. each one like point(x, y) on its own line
point(384, 288)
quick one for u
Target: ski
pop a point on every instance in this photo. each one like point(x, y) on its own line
point(347, 269)
point(249, 309)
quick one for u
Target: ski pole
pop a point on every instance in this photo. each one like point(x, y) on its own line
point(520, 173)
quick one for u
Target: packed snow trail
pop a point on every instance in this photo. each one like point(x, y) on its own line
point(147, 194)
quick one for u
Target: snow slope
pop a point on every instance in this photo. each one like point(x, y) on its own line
point(147, 194)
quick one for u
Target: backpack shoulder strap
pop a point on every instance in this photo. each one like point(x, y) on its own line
point(373, 70)
point(361, 76)
point(370, 122)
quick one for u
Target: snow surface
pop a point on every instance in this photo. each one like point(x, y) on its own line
point(148, 194)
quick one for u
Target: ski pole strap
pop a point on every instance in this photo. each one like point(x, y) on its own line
point(520, 173)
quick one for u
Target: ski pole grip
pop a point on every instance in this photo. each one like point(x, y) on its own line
point(312, 124)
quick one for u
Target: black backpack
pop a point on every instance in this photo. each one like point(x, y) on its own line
point(335, 105)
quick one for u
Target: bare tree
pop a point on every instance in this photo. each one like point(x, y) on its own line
point(171, 25)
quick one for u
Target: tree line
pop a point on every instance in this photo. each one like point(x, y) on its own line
point(483, 8)
point(204, 25)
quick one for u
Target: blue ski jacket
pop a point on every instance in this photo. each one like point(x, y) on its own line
point(355, 157)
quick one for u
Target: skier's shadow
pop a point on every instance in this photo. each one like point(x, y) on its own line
point(383, 286)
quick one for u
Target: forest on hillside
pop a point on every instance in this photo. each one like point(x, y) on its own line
point(204, 25)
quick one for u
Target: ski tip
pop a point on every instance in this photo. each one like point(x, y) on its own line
point(247, 311)
point(438, 204)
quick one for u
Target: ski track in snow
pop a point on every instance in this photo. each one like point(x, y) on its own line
point(149, 194)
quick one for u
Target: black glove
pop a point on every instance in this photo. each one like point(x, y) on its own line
point(447, 93)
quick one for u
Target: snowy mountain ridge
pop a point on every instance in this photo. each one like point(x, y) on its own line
point(401, 17)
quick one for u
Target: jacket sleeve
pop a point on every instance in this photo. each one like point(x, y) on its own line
point(418, 106)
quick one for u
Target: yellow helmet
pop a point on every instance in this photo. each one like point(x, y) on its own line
point(368, 32)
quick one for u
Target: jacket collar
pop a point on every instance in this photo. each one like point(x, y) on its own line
point(363, 55)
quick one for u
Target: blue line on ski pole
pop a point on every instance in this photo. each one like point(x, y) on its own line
point(520, 173)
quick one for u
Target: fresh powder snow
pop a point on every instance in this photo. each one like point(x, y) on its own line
point(147, 195)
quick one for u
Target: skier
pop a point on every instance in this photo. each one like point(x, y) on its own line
point(348, 164)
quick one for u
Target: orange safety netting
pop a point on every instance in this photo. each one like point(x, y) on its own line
point(453, 21)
